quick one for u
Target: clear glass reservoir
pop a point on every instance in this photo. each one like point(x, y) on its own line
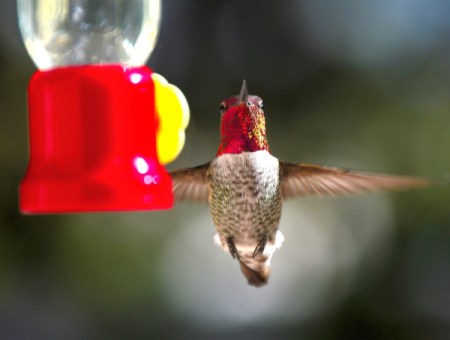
point(80, 32)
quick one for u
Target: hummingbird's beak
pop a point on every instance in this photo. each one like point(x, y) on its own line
point(243, 94)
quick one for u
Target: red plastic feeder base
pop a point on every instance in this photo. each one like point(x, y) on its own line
point(93, 142)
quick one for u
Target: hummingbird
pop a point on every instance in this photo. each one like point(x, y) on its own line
point(245, 186)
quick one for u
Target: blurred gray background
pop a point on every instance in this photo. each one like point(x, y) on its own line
point(357, 84)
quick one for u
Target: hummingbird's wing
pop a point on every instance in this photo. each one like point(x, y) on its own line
point(315, 180)
point(190, 184)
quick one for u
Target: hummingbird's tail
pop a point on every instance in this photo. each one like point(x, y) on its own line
point(255, 265)
point(256, 277)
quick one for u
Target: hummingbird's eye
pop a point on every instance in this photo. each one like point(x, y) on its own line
point(222, 108)
point(261, 105)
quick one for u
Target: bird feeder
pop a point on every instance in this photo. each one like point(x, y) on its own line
point(101, 123)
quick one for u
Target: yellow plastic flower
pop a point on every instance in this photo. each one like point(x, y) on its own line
point(173, 115)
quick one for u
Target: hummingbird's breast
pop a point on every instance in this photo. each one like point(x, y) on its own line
point(245, 198)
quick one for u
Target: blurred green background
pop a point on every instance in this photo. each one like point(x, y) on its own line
point(358, 84)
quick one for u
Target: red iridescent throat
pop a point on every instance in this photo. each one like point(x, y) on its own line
point(243, 129)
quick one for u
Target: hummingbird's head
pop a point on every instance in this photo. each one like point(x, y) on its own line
point(243, 125)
